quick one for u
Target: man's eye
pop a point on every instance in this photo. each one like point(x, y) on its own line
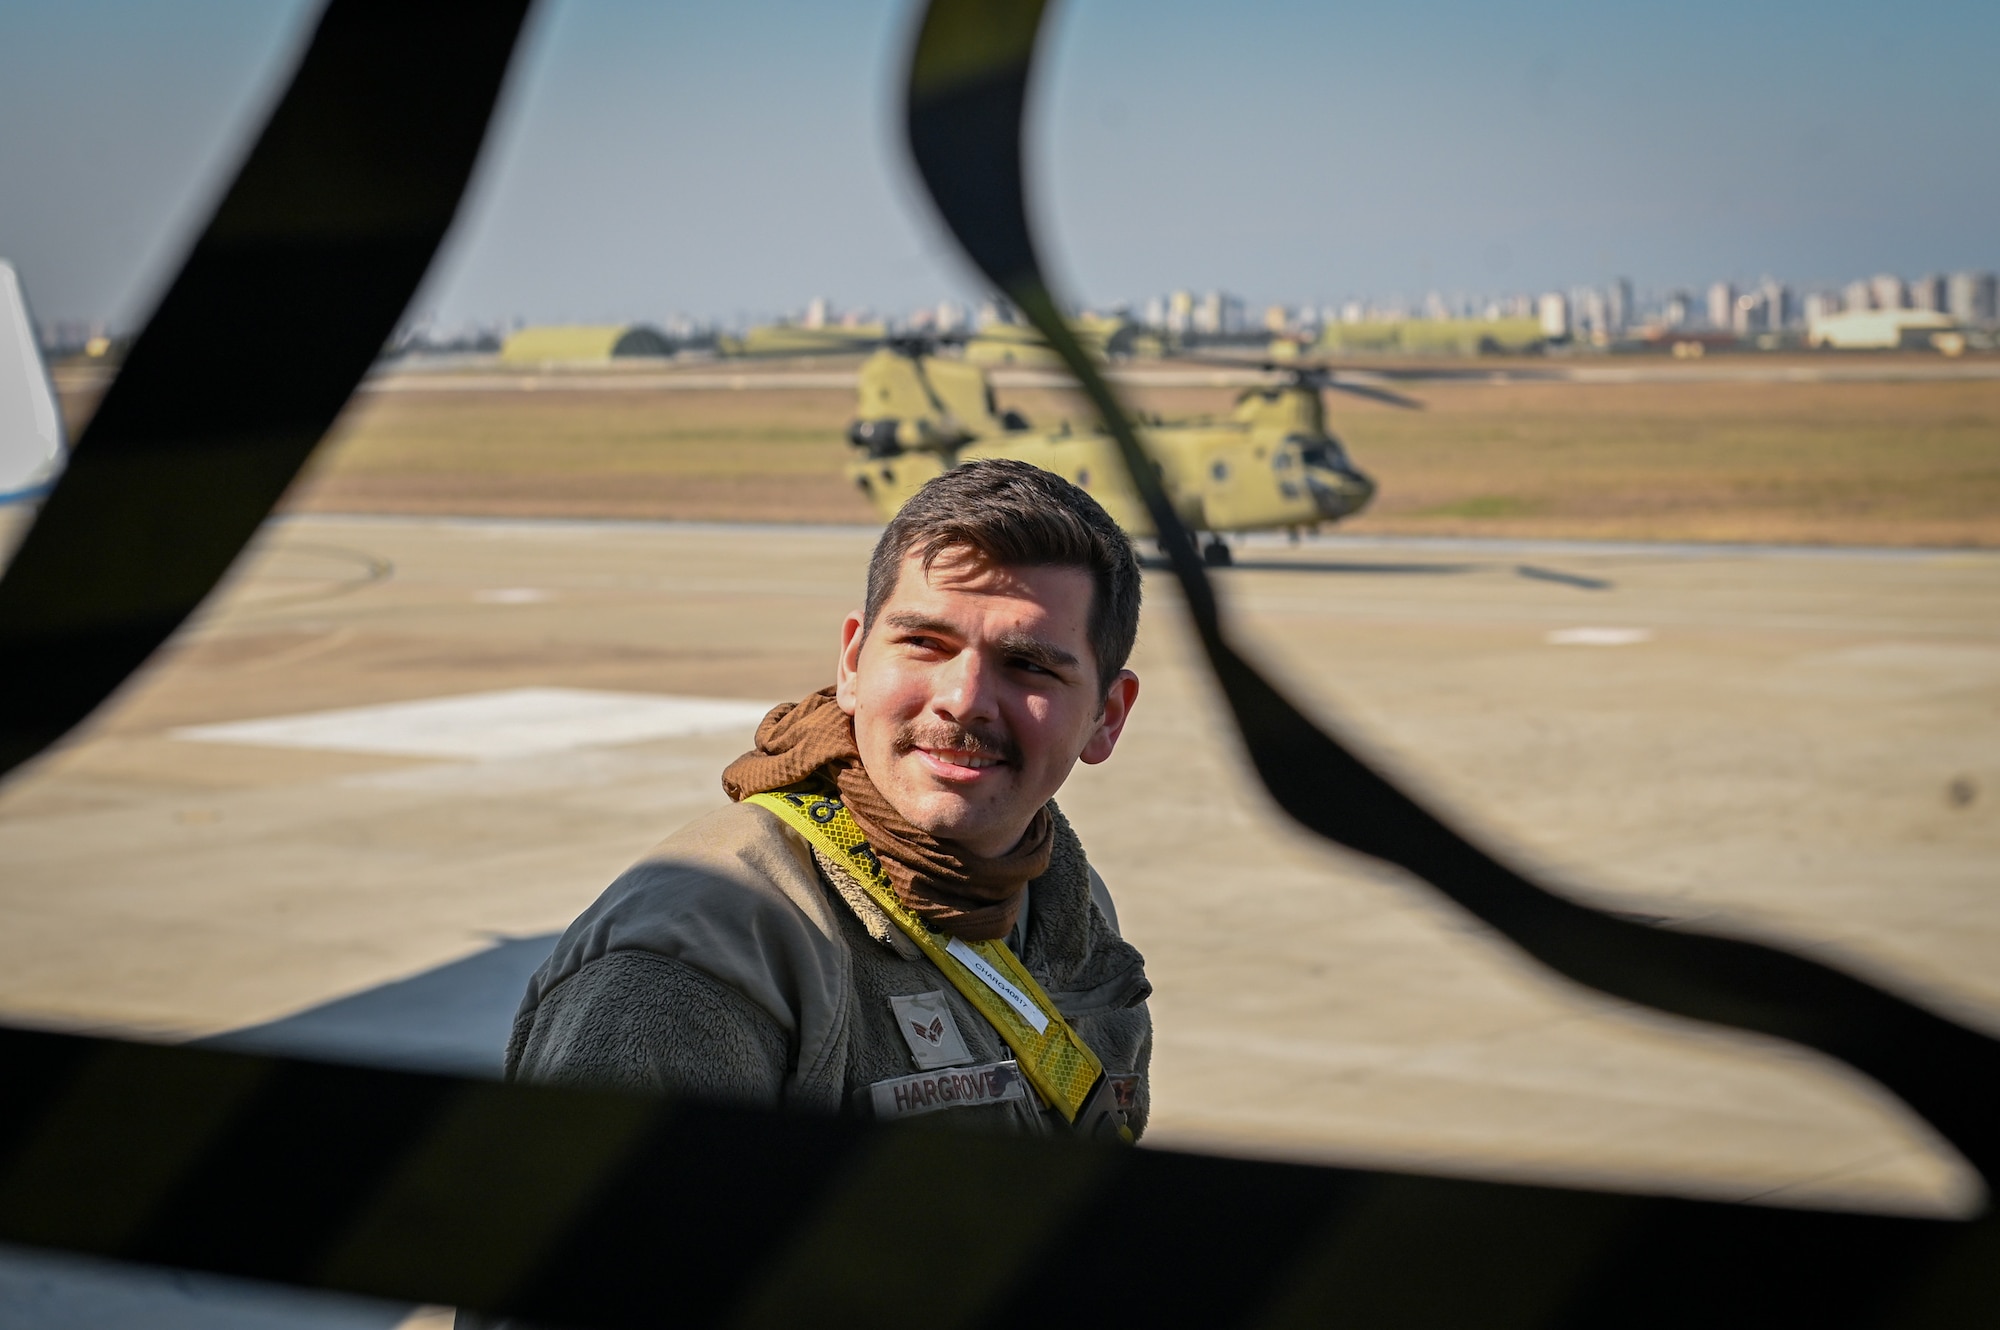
point(1023, 663)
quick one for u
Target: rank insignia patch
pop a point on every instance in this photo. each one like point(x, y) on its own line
point(927, 1027)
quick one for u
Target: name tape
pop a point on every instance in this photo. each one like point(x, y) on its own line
point(961, 1087)
point(996, 981)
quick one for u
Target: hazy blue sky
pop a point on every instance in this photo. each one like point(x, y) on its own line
point(738, 159)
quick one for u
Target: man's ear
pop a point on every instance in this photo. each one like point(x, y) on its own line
point(1117, 709)
point(852, 634)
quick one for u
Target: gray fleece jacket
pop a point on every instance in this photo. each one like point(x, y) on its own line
point(736, 963)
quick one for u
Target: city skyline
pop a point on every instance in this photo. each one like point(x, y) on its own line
point(1971, 296)
point(647, 161)
point(1967, 294)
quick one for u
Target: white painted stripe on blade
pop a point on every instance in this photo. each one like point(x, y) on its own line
point(514, 722)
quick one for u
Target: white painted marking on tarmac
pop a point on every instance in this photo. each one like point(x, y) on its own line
point(511, 595)
point(1599, 637)
point(514, 722)
point(661, 774)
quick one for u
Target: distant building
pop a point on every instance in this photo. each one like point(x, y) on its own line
point(1928, 292)
point(1722, 306)
point(817, 312)
point(583, 343)
point(1880, 329)
point(1748, 316)
point(1858, 296)
point(1180, 313)
point(1970, 297)
point(1590, 313)
point(1618, 307)
point(1219, 313)
point(1777, 301)
point(996, 313)
point(1889, 291)
point(1678, 308)
point(1553, 311)
point(1820, 305)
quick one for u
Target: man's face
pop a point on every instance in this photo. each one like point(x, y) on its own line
point(975, 692)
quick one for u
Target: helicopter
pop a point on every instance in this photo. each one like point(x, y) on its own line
point(1270, 464)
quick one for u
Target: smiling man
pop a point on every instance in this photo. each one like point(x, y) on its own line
point(893, 918)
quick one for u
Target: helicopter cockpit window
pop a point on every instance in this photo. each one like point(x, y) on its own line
point(1325, 452)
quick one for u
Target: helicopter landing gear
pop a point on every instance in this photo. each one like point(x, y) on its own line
point(1215, 554)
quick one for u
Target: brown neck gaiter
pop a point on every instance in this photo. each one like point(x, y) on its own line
point(941, 883)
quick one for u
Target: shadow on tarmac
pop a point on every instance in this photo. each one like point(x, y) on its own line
point(1578, 580)
point(453, 1019)
point(1350, 567)
point(1157, 564)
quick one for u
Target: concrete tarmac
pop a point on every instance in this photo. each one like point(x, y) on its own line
point(1799, 745)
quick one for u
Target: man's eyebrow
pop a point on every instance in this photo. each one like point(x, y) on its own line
point(910, 621)
point(1045, 654)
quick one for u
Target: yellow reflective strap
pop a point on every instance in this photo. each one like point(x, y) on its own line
point(1055, 1059)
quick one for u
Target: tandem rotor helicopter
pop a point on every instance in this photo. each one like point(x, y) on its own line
point(1270, 464)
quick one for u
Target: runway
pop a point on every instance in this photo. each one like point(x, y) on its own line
point(488, 374)
point(1797, 744)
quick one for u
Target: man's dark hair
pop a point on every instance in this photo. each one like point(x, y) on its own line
point(1019, 516)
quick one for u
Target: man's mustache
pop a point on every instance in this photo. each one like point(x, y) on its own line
point(936, 735)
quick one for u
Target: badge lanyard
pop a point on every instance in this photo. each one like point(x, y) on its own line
point(1052, 1054)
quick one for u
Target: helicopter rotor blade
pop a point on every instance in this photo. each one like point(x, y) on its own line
point(1371, 393)
point(1321, 375)
point(1311, 375)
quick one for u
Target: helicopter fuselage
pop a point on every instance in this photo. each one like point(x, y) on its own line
point(1270, 464)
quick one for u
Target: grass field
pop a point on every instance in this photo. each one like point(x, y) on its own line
point(733, 456)
point(1889, 463)
point(1844, 463)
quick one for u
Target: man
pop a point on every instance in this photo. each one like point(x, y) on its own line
point(893, 918)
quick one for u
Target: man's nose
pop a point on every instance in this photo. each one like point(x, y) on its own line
point(966, 690)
